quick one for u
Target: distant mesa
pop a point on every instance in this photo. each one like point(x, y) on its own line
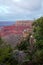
point(24, 22)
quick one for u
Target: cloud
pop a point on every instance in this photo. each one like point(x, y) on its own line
point(21, 9)
point(28, 4)
point(4, 10)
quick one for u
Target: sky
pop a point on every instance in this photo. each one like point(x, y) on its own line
point(12, 10)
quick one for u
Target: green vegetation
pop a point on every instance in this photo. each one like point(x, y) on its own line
point(6, 54)
point(34, 51)
point(38, 35)
point(24, 44)
point(26, 53)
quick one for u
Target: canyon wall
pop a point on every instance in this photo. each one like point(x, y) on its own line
point(16, 31)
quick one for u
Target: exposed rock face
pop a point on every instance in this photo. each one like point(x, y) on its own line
point(14, 33)
point(17, 28)
point(24, 23)
point(12, 39)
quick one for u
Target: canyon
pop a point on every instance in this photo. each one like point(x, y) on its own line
point(14, 33)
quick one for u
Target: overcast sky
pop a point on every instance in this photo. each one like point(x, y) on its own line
point(11, 10)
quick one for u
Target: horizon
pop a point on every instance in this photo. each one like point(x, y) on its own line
point(7, 23)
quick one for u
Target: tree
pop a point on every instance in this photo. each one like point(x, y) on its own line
point(38, 32)
point(38, 35)
point(6, 54)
